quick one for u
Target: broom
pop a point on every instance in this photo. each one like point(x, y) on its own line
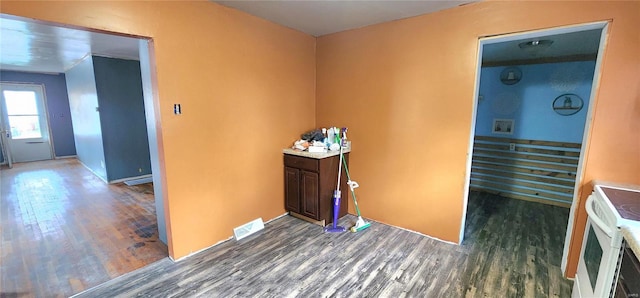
point(360, 223)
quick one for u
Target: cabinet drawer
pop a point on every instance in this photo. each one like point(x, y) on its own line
point(304, 163)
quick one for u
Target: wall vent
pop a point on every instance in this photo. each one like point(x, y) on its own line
point(248, 228)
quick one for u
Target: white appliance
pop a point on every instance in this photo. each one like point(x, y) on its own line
point(608, 209)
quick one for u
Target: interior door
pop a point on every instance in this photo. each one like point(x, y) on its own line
point(24, 123)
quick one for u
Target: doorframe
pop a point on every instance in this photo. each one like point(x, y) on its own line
point(482, 41)
point(148, 72)
point(146, 51)
point(45, 106)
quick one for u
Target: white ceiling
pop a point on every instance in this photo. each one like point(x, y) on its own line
point(329, 16)
point(564, 45)
point(30, 46)
point(35, 47)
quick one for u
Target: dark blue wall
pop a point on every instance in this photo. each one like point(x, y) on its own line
point(55, 88)
point(122, 118)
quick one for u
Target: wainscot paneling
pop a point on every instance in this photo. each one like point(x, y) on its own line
point(531, 170)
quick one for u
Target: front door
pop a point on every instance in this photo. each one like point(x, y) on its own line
point(24, 123)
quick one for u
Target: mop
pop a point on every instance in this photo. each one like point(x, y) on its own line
point(360, 223)
point(335, 228)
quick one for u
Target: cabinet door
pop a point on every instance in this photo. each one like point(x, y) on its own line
point(309, 190)
point(292, 189)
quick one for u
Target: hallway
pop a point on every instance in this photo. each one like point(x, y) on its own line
point(63, 230)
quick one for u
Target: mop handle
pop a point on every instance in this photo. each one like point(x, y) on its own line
point(339, 171)
point(353, 193)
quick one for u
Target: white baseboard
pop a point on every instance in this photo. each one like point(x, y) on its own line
point(130, 178)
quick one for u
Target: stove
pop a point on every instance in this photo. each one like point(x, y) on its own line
point(626, 202)
point(609, 208)
point(622, 205)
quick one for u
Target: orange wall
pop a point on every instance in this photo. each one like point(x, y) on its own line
point(247, 89)
point(405, 90)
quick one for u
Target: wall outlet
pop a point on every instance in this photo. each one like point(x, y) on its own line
point(512, 147)
point(139, 170)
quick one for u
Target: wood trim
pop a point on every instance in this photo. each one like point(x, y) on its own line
point(321, 223)
point(528, 142)
point(524, 198)
point(542, 60)
point(540, 172)
point(550, 180)
point(534, 170)
point(564, 160)
point(525, 163)
point(510, 188)
point(530, 150)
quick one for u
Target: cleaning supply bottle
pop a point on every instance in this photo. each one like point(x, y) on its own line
point(324, 133)
point(344, 137)
point(331, 135)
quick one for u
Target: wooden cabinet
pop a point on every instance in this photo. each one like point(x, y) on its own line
point(292, 189)
point(309, 184)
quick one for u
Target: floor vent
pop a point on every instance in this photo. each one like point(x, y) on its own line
point(248, 228)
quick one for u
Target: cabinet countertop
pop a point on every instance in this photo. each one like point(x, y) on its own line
point(614, 184)
point(318, 155)
point(632, 236)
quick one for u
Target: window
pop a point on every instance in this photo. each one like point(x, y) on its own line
point(22, 111)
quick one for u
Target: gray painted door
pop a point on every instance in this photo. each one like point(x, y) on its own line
point(24, 122)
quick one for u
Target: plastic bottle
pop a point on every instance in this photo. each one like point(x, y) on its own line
point(331, 135)
point(344, 137)
point(324, 133)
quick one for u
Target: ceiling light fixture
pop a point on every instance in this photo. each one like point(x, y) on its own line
point(538, 44)
point(535, 47)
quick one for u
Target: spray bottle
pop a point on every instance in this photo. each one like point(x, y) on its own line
point(331, 135)
point(344, 137)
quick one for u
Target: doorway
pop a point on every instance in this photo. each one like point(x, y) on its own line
point(24, 123)
point(82, 187)
point(561, 105)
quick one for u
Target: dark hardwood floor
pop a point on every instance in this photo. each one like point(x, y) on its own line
point(512, 248)
point(63, 230)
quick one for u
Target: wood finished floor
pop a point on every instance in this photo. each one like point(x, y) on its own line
point(512, 248)
point(63, 230)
